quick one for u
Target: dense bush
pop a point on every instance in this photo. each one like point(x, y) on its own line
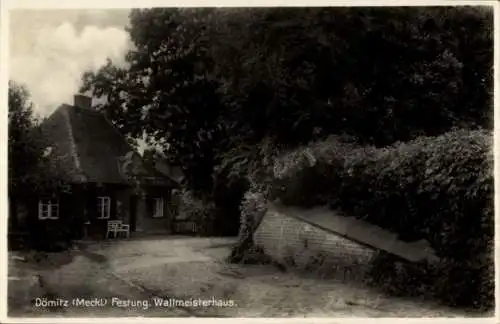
point(309, 175)
point(252, 210)
point(440, 188)
point(259, 176)
point(436, 188)
point(198, 210)
point(51, 236)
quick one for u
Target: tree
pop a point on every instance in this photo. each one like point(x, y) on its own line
point(32, 171)
point(215, 84)
point(30, 163)
point(166, 93)
point(304, 74)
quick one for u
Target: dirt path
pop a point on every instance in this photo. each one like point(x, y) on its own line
point(33, 289)
point(194, 268)
point(183, 271)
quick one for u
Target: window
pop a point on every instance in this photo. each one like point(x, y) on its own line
point(103, 207)
point(158, 207)
point(48, 209)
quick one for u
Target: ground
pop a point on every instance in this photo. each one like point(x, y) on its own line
point(187, 269)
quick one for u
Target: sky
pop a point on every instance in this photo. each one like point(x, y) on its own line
point(49, 50)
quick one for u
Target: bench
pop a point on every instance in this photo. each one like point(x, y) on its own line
point(116, 227)
point(184, 227)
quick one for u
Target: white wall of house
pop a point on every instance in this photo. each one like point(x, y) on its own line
point(149, 224)
point(144, 220)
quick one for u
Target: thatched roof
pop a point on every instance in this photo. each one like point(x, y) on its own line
point(89, 148)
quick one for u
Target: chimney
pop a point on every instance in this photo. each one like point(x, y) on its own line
point(82, 101)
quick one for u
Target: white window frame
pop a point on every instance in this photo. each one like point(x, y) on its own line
point(52, 207)
point(103, 207)
point(158, 207)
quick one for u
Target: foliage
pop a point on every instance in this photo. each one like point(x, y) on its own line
point(165, 92)
point(197, 210)
point(307, 175)
point(224, 91)
point(429, 185)
point(215, 83)
point(401, 278)
point(295, 75)
point(256, 172)
point(32, 171)
point(252, 209)
point(436, 188)
point(244, 171)
point(31, 167)
point(52, 236)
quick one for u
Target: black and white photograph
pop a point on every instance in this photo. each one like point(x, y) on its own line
point(331, 161)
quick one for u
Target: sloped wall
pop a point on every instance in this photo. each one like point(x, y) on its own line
point(304, 247)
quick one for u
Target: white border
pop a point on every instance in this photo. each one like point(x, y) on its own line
point(126, 4)
point(6, 5)
point(4, 209)
point(496, 151)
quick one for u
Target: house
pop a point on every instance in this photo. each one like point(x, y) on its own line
point(172, 171)
point(182, 223)
point(108, 179)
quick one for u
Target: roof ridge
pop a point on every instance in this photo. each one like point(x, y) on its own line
point(78, 129)
point(113, 127)
point(72, 143)
point(128, 145)
point(147, 167)
point(122, 136)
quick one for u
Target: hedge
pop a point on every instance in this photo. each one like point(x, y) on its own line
point(436, 188)
point(198, 210)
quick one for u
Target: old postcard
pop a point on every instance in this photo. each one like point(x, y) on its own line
point(326, 161)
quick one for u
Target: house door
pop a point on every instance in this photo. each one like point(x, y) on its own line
point(133, 212)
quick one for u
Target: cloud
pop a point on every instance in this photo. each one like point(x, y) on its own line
point(52, 66)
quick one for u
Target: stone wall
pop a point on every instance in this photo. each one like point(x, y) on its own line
point(305, 247)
